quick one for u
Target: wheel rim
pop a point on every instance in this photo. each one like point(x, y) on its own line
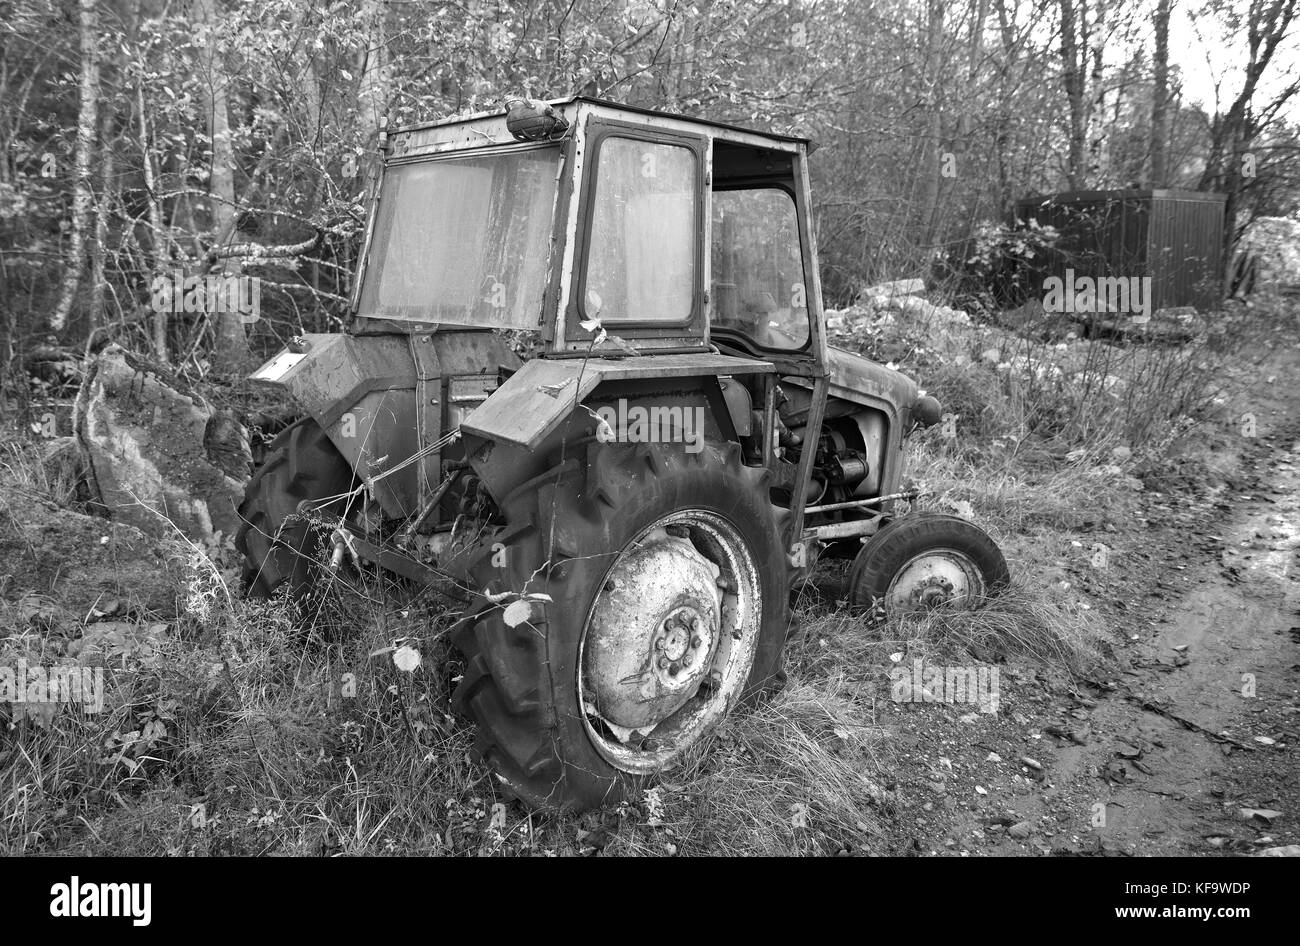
point(670, 640)
point(933, 578)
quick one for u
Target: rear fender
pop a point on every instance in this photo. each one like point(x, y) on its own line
point(362, 389)
point(519, 430)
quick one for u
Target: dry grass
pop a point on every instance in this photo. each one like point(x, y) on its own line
point(232, 729)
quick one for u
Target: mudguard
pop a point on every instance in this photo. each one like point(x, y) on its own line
point(536, 399)
point(362, 389)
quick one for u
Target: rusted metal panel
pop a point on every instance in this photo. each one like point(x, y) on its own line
point(333, 371)
point(428, 413)
point(535, 400)
point(859, 380)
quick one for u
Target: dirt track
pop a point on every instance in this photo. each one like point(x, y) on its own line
point(1200, 720)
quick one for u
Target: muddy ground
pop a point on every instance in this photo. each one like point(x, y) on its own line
point(1186, 747)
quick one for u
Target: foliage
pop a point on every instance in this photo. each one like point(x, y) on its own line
point(930, 118)
point(999, 266)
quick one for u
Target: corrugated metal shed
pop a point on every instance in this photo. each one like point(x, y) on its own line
point(1173, 236)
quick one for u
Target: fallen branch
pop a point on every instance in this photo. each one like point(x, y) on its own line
point(1159, 710)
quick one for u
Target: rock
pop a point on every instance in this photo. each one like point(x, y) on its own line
point(991, 356)
point(1021, 829)
point(161, 457)
point(847, 321)
point(78, 560)
point(889, 290)
point(1032, 763)
point(1023, 316)
point(915, 308)
point(1121, 453)
point(1290, 850)
point(1259, 814)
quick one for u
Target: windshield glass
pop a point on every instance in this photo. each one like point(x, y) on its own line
point(463, 240)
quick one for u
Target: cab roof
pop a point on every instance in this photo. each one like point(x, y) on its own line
point(569, 106)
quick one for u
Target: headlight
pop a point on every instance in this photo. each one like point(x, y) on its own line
point(927, 411)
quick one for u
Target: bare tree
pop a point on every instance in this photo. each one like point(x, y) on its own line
point(82, 195)
point(1229, 165)
point(230, 353)
point(1072, 76)
point(1160, 97)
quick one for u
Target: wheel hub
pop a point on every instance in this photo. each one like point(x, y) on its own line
point(935, 578)
point(683, 641)
point(933, 591)
point(653, 632)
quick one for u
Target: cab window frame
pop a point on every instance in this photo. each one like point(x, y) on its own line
point(695, 322)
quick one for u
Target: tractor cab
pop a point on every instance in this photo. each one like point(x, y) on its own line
point(669, 233)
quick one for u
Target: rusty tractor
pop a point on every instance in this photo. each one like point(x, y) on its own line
point(586, 381)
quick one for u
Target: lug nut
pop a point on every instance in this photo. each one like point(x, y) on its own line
point(696, 642)
point(674, 670)
point(659, 643)
point(663, 662)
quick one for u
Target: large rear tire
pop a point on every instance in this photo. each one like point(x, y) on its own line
point(655, 599)
point(280, 546)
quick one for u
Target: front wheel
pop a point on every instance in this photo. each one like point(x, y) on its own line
point(642, 596)
point(925, 560)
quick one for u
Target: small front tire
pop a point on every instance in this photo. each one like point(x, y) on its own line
point(926, 560)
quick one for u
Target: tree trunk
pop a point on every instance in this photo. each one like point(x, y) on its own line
point(932, 163)
point(1160, 98)
point(1072, 75)
point(1002, 129)
point(1231, 134)
point(230, 355)
point(1094, 46)
point(82, 197)
point(372, 96)
point(159, 239)
point(99, 248)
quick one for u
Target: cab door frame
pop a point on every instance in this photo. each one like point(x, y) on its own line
point(688, 335)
